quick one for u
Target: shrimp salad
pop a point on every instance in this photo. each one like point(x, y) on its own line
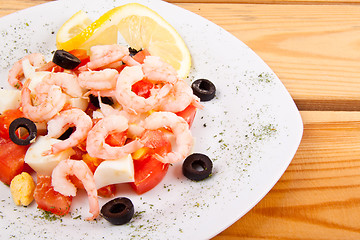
point(115, 118)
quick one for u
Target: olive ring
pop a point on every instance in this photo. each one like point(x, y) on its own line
point(204, 89)
point(118, 211)
point(65, 59)
point(28, 125)
point(197, 167)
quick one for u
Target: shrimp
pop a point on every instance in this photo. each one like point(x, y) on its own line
point(69, 118)
point(179, 98)
point(129, 100)
point(156, 70)
point(48, 107)
point(17, 72)
point(95, 142)
point(98, 80)
point(68, 83)
point(103, 55)
point(79, 169)
point(180, 129)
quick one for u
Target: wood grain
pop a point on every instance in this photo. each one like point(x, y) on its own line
point(318, 197)
point(314, 49)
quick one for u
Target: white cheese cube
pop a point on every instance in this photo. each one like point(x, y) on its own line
point(44, 163)
point(10, 99)
point(81, 103)
point(114, 171)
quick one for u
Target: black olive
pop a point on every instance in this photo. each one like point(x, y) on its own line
point(95, 100)
point(204, 89)
point(133, 51)
point(118, 211)
point(28, 125)
point(197, 167)
point(67, 133)
point(65, 59)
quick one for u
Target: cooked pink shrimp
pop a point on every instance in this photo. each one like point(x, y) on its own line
point(95, 142)
point(180, 96)
point(103, 55)
point(179, 127)
point(48, 106)
point(68, 83)
point(98, 80)
point(156, 70)
point(129, 100)
point(17, 72)
point(79, 169)
point(65, 119)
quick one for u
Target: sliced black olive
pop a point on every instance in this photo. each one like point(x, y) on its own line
point(95, 100)
point(118, 211)
point(65, 59)
point(67, 133)
point(204, 89)
point(133, 51)
point(197, 167)
point(28, 125)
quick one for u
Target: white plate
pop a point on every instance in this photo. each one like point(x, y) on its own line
point(251, 130)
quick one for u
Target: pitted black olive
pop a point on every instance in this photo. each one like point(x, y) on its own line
point(67, 133)
point(65, 59)
point(118, 211)
point(204, 89)
point(28, 125)
point(197, 167)
point(133, 51)
point(95, 100)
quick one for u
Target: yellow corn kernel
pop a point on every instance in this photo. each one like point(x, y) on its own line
point(139, 153)
point(22, 188)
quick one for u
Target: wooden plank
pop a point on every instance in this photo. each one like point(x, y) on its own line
point(312, 48)
point(318, 195)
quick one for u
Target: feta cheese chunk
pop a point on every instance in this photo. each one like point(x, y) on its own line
point(114, 171)
point(38, 158)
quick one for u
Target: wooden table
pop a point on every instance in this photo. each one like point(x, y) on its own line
point(314, 48)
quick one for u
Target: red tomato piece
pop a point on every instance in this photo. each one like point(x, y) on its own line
point(148, 173)
point(50, 200)
point(142, 88)
point(82, 55)
point(188, 114)
point(6, 119)
point(116, 138)
point(107, 191)
point(11, 159)
point(141, 55)
point(148, 170)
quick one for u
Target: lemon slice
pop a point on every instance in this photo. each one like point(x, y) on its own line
point(141, 28)
point(72, 27)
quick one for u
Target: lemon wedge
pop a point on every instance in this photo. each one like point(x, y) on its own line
point(141, 28)
point(72, 27)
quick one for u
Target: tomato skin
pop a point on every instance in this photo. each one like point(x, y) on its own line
point(142, 88)
point(148, 170)
point(148, 173)
point(50, 200)
point(82, 55)
point(11, 159)
point(116, 138)
point(6, 119)
point(141, 55)
point(188, 114)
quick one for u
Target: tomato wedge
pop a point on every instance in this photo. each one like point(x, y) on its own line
point(50, 200)
point(188, 114)
point(142, 88)
point(141, 55)
point(11, 159)
point(148, 170)
point(6, 119)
